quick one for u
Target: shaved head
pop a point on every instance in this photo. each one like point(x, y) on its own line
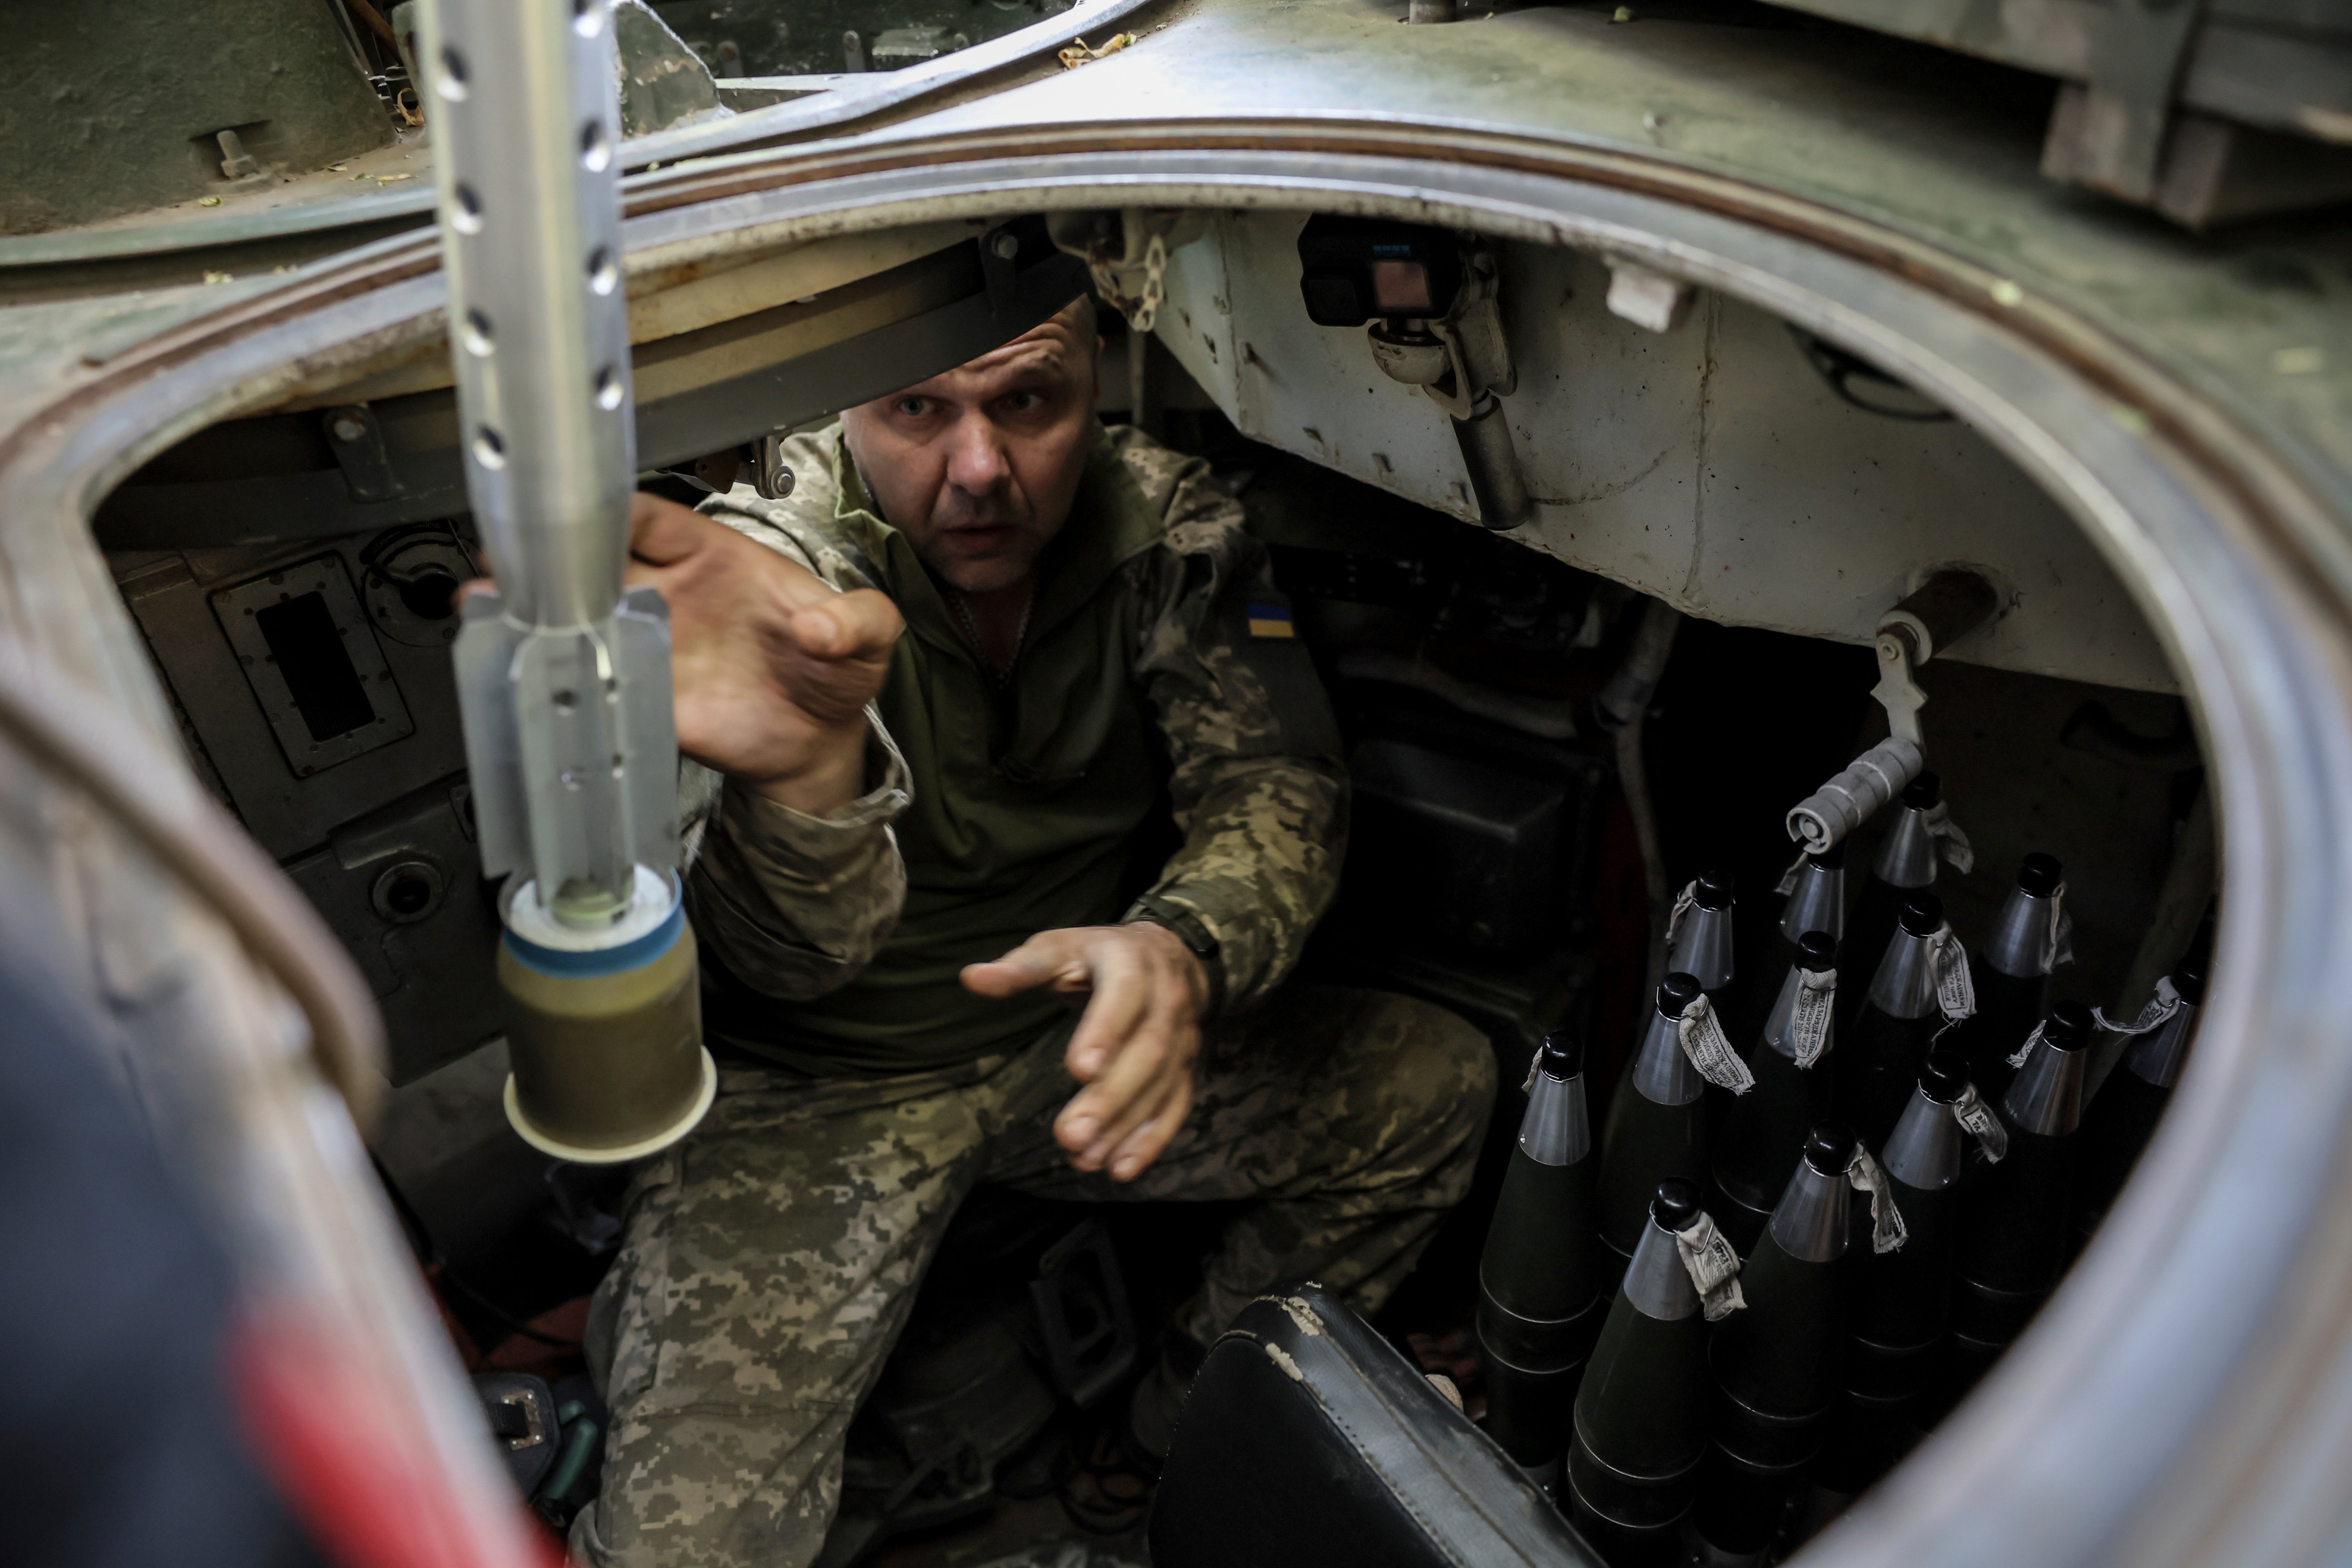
point(978, 466)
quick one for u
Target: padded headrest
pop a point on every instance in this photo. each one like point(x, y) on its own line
point(1307, 1439)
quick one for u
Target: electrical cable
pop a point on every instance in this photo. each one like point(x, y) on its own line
point(498, 1314)
point(1623, 705)
point(1841, 369)
point(441, 1271)
point(79, 738)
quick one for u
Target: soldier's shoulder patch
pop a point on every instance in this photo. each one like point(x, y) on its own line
point(1269, 620)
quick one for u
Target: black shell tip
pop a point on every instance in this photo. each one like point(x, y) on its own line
point(1677, 1206)
point(1923, 913)
point(2040, 875)
point(1563, 1056)
point(1945, 1077)
point(1829, 1148)
point(2068, 1027)
point(1677, 994)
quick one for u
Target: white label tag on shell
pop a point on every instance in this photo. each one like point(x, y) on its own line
point(1787, 883)
point(2162, 1005)
point(2024, 1053)
point(1809, 1020)
point(1972, 1113)
point(1887, 1231)
point(1683, 902)
point(1714, 1267)
point(1948, 838)
point(2062, 933)
point(1535, 1065)
point(1956, 989)
point(1709, 1049)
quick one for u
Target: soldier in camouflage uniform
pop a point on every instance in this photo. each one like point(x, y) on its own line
point(1096, 745)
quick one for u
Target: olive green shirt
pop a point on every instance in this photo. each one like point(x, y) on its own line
point(1162, 747)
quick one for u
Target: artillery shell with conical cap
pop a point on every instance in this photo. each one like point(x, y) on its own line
point(1640, 1424)
point(1816, 901)
point(1901, 1299)
point(2013, 1214)
point(1702, 944)
point(1906, 864)
point(1540, 1278)
point(1879, 1057)
point(1657, 1121)
point(2011, 971)
point(1775, 1363)
point(2122, 1116)
point(1763, 1134)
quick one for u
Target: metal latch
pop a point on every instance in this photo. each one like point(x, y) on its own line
point(357, 441)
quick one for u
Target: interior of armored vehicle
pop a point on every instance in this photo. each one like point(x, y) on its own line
point(1607, 571)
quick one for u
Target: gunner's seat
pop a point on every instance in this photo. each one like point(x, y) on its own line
point(1307, 1439)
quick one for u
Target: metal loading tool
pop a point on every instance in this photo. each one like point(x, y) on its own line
point(563, 678)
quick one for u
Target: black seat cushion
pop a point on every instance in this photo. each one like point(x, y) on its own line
point(1307, 1439)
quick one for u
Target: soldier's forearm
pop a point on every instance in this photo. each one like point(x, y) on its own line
point(831, 775)
point(1263, 842)
point(795, 902)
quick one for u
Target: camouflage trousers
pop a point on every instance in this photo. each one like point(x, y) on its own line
point(769, 1261)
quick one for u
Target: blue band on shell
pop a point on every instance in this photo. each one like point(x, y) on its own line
point(596, 960)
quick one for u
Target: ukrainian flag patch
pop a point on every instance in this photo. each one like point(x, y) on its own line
point(1270, 621)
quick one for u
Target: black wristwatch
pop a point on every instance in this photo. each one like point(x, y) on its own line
point(1197, 938)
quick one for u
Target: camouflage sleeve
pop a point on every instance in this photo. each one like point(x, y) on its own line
point(794, 905)
point(1259, 784)
point(797, 526)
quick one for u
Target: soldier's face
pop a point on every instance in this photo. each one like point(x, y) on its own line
point(978, 466)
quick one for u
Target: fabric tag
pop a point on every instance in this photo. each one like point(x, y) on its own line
point(1949, 839)
point(2024, 1053)
point(1972, 1113)
point(1956, 989)
point(1709, 1049)
point(2062, 933)
point(2160, 1006)
point(1809, 1020)
point(1887, 1231)
point(1535, 1065)
point(1683, 902)
point(1787, 883)
point(1713, 1266)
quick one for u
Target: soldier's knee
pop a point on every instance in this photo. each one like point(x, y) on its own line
point(1442, 1068)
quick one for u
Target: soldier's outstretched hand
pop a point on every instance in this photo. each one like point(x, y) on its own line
point(1135, 1046)
point(773, 668)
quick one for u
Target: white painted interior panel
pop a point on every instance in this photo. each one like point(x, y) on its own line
point(1709, 465)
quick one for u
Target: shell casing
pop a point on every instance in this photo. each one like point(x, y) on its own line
point(1540, 1303)
point(1640, 1428)
point(1901, 1299)
point(1875, 1066)
point(1762, 1139)
point(607, 1066)
point(2008, 1006)
point(1643, 1144)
